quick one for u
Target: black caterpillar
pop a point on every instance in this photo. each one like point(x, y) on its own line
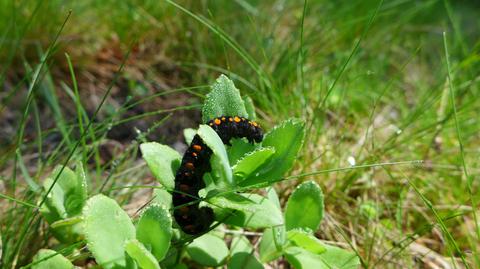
point(196, 162)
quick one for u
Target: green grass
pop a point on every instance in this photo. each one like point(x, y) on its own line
point(374, 80)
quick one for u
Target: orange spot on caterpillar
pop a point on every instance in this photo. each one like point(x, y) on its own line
point(211, 124)
point(230, 119)
point(254, 124)
point(236, 119)
point(189, 228)
point(184, 187)
point(194, 154)
point(189, 166)
point(223, 118)
point(197, 148)
point(243, 119)
point(217, 121)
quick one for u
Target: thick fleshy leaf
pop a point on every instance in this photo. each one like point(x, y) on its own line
point(66, 197)
point(305, 207)
point(286, 139)
point(154, 230)
point(163, 161)
point(246, 210)
point(243, 260)
point(239, 148)
point(249, 107)
point(278, 231)
point(223, 99)
point(273, 196)
point(267, 249)
point(250, 163)
point(53, 209)
point(332, 257)
point(68, 230)
point(221, 171)
point(240, 244)
point(305, 240)
point(107, 228)
point(335, 257)
point(162, 197)
point(172, 257)
point(80, 195)
point(67, 179)
point(141, 255)
point(189, 133)
point(208, 250)
point(303, 259)
point(50, 259)
point(209, 185)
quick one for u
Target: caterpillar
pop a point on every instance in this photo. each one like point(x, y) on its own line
point(191, 218)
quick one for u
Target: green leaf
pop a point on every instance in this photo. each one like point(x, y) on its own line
point(189, 133)
point(162, 197)
point(141, 255)
point(67, 196)
point(180, 266)
point(305, 207)
point(303, 259)
point(67, 222)
point(251, 162)
point(249, 210)
point(209, 185)
point(130, 262)
point(249, 107)
point(50, 259)
point(68, 230)
point(273, 196)
point(107, 228)
point(279, 231)
point(221, 171)
point(223, 99)
point(82, 185)
point(208, 250)
point(53, 209)
point(332, 257)
point(163, 161)
point(239, 148)
point(243, 260)
point(154, 230)
point(267, 249)
point(172, 257)
point(240, 244)
point(306, 241)
point(335, 257)
point(286, 139)
point(67, 180)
